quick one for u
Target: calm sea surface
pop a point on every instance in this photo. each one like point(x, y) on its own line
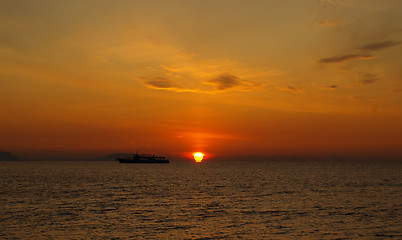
point(234, 200)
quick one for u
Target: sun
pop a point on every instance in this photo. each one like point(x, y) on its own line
point(198, 157)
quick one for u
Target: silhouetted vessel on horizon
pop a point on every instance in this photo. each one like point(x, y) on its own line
point(143, 158)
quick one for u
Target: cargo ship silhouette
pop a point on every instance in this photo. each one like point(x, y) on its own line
point(143, 158)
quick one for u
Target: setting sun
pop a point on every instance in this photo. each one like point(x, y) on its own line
point(198, 156)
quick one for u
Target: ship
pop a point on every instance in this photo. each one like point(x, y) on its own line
point(142, 158)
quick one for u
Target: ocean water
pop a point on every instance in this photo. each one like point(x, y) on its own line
point(184, 200)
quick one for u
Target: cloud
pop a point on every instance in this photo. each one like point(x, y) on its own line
point(398, 90)
point(290, 89)
point(227, 81)
point(165, 84)
point(332, 87)
point(363, 78)
point(345, 58)
point(161, 83)
point(379, 45)
point(331, 23)
point(366, 78)
point(223, 82)
point(367, 47)
point(332, 2)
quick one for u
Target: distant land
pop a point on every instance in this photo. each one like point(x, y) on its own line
point(110, 157)
point(7, 156)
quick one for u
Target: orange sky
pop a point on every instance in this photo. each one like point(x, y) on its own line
point(87, 78)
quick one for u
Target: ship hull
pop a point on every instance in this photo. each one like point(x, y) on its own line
point(125, 160)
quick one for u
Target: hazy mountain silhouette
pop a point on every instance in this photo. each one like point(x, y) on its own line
point(110, 157)
point(7, 156)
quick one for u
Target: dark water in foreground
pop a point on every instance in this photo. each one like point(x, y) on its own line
point(235, 200)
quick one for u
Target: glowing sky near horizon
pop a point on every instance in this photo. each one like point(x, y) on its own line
point(223, 77)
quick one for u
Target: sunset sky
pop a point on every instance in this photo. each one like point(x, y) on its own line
point(224, 77)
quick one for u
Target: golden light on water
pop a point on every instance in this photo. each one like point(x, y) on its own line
point(198, 157)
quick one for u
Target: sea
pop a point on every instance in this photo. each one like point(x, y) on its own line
point(211, 200)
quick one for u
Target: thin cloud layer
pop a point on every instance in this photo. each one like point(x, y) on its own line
point(227, 81)
point(398, 90)
point(366, 78)
point(161, 83)
point(367, 47)
point(224, 82)
point(362, 78)
point(332, 87)
point(344, 58)
point(329, 23)
point(291, 89)
point(379, 45)
point(332, 2)
point(165, 84)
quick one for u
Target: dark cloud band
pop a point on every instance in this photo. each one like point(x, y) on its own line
point(227, 81)
point(344, 58)
point(379, 45)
